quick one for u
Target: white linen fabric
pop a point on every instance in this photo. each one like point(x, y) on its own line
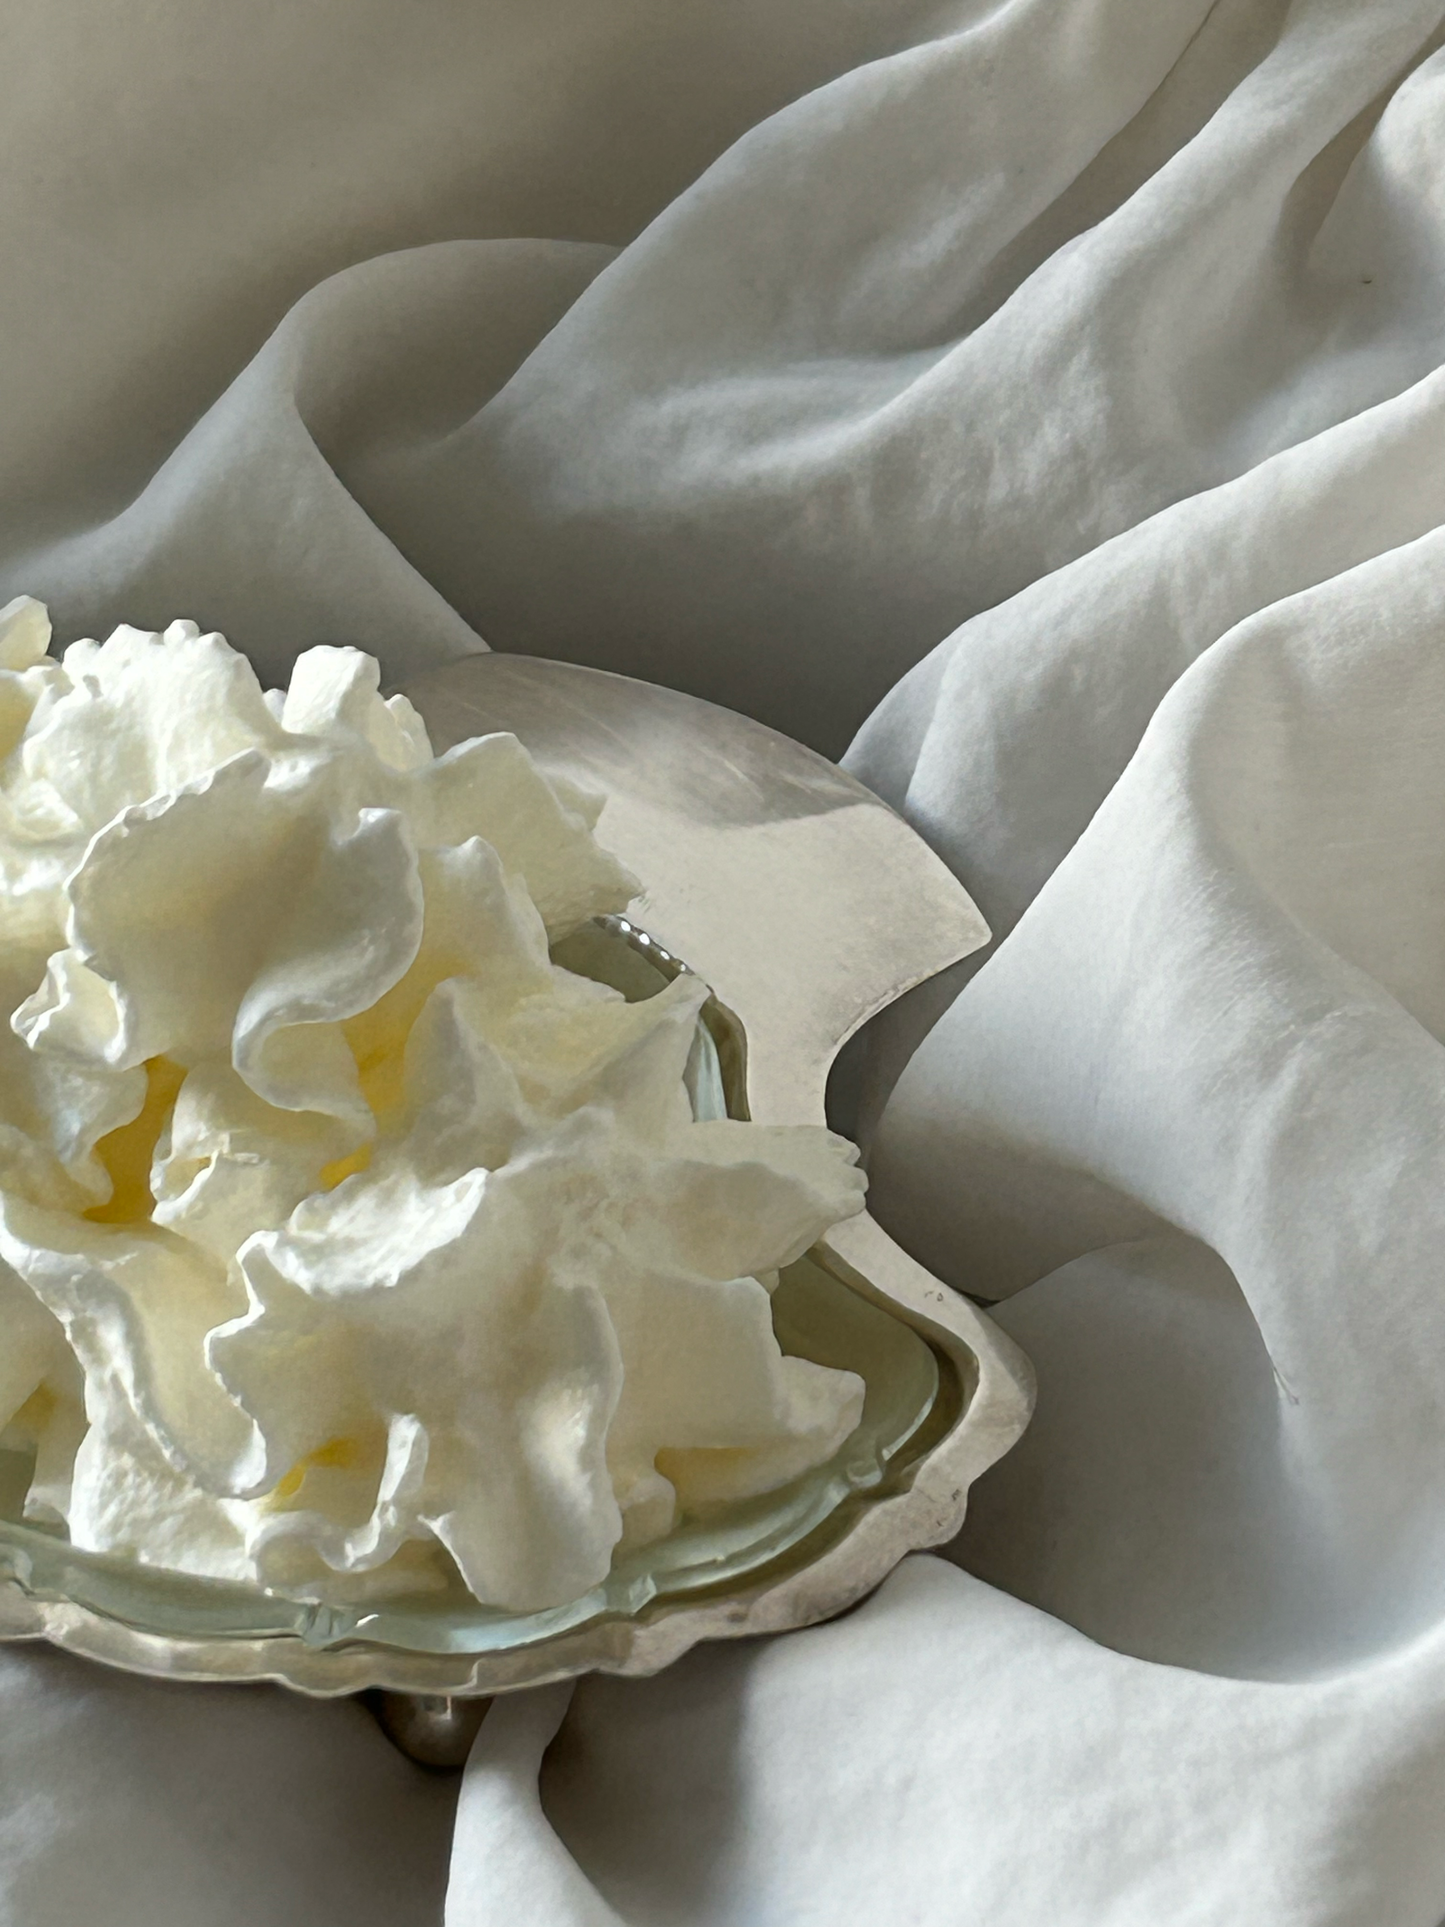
point(1047, 396)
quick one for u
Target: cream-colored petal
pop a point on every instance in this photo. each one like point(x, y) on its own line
point(464, 1107)
point(33, 1343)
point(128, 1499)
point(197, 700)
point(701, 1362)
point(708, 1398)
point(490, 787)
point(57, 1440)
point(331, 957)
point(585, 1044)
point(577, 799)
point(231, 1164)
point(146, 715)
point(439, 1306)
point(53, 1110)
point(24, 632)
point(297, 1360)
point(136, 1305)
point(349, 1513)
point(735, 1199)
point(334, 695)
point(38, 851)
point(42, 1410)
point(173, 908)
point(29, 1170)
point(824, 1413)
point(476, 925)
point(647, 1500)
point(405, 744)
point(76, 1015)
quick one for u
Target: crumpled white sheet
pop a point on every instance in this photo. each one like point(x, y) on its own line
point(1060, 381)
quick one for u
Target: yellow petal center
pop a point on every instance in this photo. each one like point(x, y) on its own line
point(338, 1452)
point(128, 1151)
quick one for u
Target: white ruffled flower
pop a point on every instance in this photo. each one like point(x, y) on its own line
point(339, 1225)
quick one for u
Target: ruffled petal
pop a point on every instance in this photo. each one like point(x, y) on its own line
point(24, 633)
point(135, 1306)
point(331, 957)
point(334, 695)
point(490, 787)
point(146, 715)
point(386, 1249)
point(231, 1164)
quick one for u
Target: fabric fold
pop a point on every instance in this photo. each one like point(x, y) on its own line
point(1049, 401)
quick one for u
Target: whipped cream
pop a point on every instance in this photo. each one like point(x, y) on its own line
point(344, 1237)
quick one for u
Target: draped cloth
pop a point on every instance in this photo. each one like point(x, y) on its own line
point(1039, 404)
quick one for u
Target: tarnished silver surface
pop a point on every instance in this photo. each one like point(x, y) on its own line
point(808, 906)
point(434, 1729)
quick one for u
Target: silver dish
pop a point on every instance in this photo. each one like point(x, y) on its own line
point(807, 906)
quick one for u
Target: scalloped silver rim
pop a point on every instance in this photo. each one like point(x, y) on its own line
point(928, 1512)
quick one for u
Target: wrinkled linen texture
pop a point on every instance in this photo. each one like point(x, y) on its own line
point(1045, 398)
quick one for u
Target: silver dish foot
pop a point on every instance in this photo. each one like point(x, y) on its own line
point(434, 1729)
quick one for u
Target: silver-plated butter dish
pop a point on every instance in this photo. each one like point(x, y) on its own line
point(807, 906)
